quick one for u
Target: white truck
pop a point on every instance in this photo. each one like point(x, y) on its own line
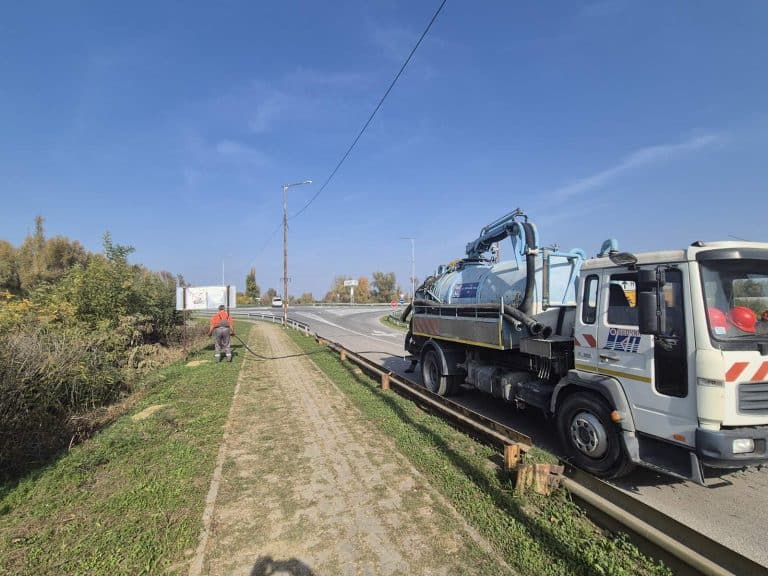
point(657, 359)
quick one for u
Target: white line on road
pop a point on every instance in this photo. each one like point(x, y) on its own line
point(387, 334)
point(319, 319)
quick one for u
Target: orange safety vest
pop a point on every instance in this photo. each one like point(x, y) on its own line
point(221, 318)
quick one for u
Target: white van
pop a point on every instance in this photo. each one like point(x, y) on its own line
point(277, 302)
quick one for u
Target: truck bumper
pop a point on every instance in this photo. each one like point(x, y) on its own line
point(715, 447)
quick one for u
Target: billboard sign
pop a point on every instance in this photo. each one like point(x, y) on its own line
point(350, 282)
point(205, 297)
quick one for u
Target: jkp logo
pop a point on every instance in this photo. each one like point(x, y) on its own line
point(622, 341)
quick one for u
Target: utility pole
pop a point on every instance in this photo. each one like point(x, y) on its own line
point(285, 246)
point(413, 264)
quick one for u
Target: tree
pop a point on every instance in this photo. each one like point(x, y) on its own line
point(384, 286)
point(116, 253)
point(269, 294)
point(30, 257)
point(60, 255)
point(40, 260)
point(363, 290)
point(306, 298)
point(252, 290)
point(338, 292)
point(9, 273)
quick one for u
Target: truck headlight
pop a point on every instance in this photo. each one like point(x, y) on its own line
point(743, 446)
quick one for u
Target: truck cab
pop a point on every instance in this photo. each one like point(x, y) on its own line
point(675, 348)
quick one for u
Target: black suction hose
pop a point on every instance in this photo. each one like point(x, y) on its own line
point(536, 328)
point(405, 313)
point(530, 269)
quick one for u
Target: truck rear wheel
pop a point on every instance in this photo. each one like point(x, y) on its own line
point(590, 438)
point(432, 378)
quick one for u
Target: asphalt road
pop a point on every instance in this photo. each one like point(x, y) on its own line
point(732, 509)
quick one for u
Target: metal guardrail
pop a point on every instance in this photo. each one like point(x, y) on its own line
point(272, 318)
point(693, 552)
point(295, 324)
point(395, 319)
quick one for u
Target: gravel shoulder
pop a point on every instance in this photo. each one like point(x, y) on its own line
point(307, 486)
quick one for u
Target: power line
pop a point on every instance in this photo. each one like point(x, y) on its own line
point(269, 239)
point(375, 110)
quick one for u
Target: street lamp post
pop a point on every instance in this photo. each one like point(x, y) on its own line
point(413, 265)
point(285, 245)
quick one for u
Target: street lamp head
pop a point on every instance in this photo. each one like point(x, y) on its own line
point(286, 186)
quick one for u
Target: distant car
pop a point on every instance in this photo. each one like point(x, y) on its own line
point(277, 302)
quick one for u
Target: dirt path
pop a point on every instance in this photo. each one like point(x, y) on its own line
point(308, 487)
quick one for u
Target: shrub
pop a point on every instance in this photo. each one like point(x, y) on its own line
point(73, 341)
point(47, 375)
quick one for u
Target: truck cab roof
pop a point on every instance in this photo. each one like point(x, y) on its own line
point(728, 249)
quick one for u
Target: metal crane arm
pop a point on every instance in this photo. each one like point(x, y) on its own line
point(500, 229)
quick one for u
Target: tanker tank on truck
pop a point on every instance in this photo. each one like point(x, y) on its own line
point(657, 359)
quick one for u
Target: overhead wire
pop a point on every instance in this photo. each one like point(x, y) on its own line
point(269, 239)
point(370, 118)
point(362, 130)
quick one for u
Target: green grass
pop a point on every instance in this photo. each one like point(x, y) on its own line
point(130, 499)
point(391, 323)
point(536, 535)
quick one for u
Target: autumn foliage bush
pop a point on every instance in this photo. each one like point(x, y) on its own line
point(77, 343)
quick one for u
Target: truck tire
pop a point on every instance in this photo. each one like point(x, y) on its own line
point(432, 378)
point(591, 440)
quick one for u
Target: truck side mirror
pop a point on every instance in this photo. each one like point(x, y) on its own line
point(651, 310)
point(646, 278)
point(650, 278)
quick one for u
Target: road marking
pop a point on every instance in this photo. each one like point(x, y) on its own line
point(323, 320)
point(316, 318)
point(387, 334)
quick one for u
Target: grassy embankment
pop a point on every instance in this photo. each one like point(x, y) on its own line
point(129, 500)
point(536, 535)
point(390, 322)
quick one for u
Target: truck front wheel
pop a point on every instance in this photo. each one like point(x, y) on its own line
point(432, 378)
point(590, 438)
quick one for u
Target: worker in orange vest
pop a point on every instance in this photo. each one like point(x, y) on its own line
point(221, 329)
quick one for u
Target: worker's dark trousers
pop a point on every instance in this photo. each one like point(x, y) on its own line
point(221, 342)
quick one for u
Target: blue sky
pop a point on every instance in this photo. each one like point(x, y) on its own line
point(173, 125)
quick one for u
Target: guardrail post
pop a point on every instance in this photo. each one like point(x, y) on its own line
point(512, 456)
point(385, 381)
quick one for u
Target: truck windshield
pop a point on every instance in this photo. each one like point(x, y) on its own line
point(736, 293)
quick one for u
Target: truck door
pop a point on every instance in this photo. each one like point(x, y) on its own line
point(653, 371)
point(585, 330)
